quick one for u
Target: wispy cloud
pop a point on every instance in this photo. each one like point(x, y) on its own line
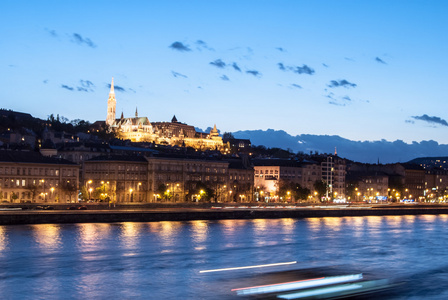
point(254, 73)
point(67, 87)
point(180, 47)
point(304, 69)
point(78, 39)
point(296, 86)
point(280, 49)
point(225, 78)
point(51, 32)
point(341, 83)
point(218, 63)
point(236, 67)
point(203, 45)
point(86, 86)
point(338, 101)
point(379, 60)
point(431, 120)
point(117, 88)
point(177, 75)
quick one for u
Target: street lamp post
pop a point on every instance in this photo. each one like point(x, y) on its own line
point(87, 187)
point(44, 194)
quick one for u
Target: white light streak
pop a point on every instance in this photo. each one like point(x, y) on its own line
point(296, 285)
point(249, 267)
point(322, 291)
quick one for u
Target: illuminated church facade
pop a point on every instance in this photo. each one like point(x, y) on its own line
point(174, 133)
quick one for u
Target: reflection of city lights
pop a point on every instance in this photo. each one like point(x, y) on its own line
point(200, 229)
point(3, 239)
point(47, 236)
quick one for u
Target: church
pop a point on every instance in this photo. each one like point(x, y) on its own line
point(174, 133)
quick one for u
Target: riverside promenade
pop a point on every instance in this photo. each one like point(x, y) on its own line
point(95, 213)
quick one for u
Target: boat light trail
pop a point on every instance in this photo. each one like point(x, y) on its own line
point(249, 267)
point(296, 285)
point(322, 291)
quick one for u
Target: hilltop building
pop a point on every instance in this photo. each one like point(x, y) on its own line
point(174, 133)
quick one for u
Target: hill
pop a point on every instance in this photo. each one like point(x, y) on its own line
point(361, 151)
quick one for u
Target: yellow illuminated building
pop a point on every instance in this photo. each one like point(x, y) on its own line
point(174, 133)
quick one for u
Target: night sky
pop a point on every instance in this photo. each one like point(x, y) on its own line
point(363, 70)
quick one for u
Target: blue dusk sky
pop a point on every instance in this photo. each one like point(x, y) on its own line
point(363, 70)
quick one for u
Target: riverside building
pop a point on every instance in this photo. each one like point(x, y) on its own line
point(27, 177)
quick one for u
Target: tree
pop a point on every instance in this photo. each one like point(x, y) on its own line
point(301, 192)
point(14, 196)
point(69, 188)
point(84, 194)
point(227, 136)
point(200, 191)
point(33, 189)
point(163, 190)
point(320, 187)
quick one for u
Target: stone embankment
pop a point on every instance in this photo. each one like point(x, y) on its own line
point(13, 215)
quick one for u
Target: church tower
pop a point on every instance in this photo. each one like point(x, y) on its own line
point(111, 104)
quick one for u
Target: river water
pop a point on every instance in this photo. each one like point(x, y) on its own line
point(163, 260)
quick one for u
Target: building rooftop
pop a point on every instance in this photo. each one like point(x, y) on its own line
point(30, 157)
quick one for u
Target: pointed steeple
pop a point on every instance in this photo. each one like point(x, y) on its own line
point(174, 119)
point(335, 151)
point(122, 115)
point(112, 91)
point(214, 131)
point(136, 112)
point(111, 105)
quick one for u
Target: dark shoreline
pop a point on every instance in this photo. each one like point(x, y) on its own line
point(105, 215)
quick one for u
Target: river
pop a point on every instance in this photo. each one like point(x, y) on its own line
point(164, 260)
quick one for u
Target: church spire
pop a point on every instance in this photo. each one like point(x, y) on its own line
point(112, 87)
point(136, 112)
point(111, 105)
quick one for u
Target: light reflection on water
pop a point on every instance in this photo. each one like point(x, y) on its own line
point(163, 259)
point(3, 239)
point(47, 237)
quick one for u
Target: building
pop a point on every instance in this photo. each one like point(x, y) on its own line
point(117, 178)
point(174, 133)
point(27, 176)
point(405, 181)
point(156, 178)
point(241, 180)
point(269, 173)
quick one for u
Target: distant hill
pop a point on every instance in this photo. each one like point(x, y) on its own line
point(366, 151)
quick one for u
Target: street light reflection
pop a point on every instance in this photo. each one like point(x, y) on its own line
point(3, 239)
point(47, 236)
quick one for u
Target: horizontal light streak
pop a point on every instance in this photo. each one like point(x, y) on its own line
point(322, 291)
point(295, 285)
point(249, 267)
